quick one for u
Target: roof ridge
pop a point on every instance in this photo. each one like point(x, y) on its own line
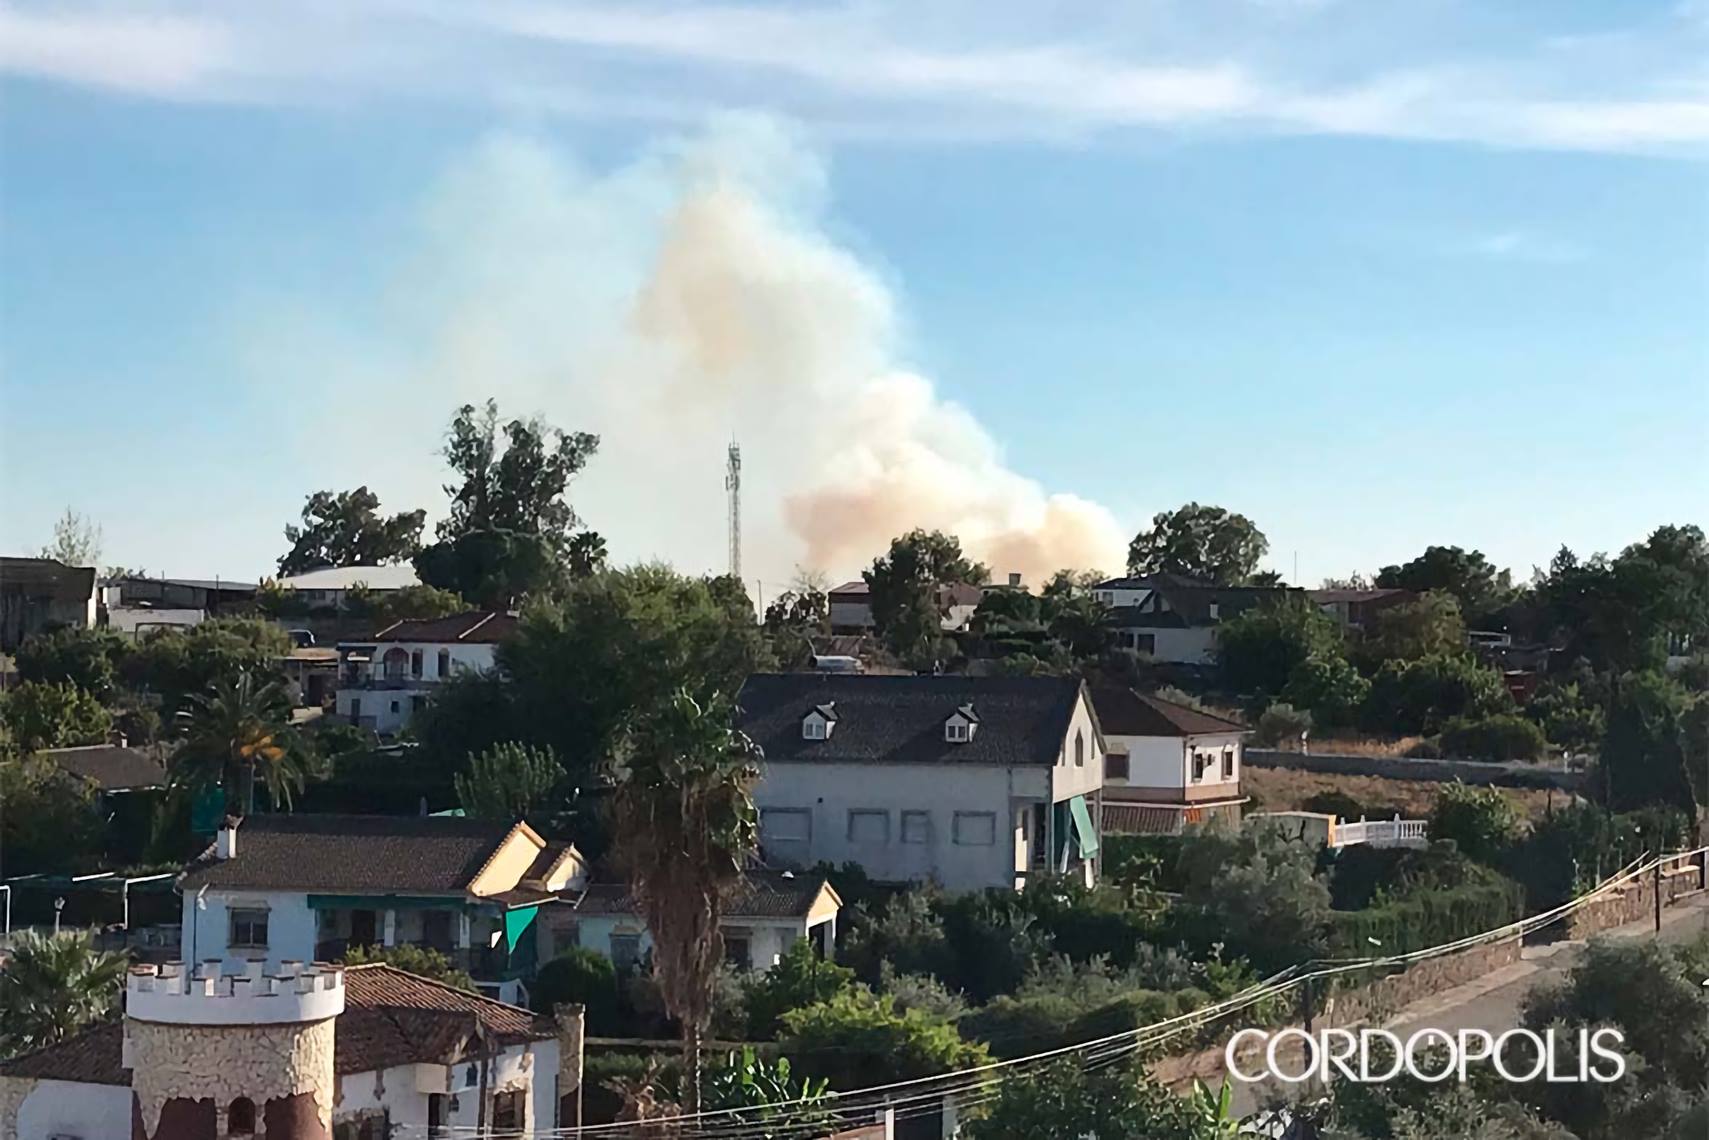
point(488, 616)
point(472, 995)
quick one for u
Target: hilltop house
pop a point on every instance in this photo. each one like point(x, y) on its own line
point(39, 594)
point(308, 887)
point(331, 587)
point(137, 605)
point(851, 606)
point(199, 1055)
point(1172, 618)
point(383, 680)
point(1166, 765)
point(1358, 609)
point(970, 782)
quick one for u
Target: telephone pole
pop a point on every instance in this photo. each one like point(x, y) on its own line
point(733, 484)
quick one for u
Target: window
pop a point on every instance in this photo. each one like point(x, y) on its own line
point(355, 709)
point(395, 706)
point(248, 928)
point(869, 827)
point(957, 731)
point(1145, 643)
point(1228, 763)
point(415, 663)
point(240, 1117)
point(507, 1112)
point(444, 663)
point(1115, 766)
point(738, 949)
point(394, 663)
point(436, 929)
point(975, 828)
point(1079, 749)
point(813, 728)
point(916, 827)
point(1200, 762)
point(625, 950)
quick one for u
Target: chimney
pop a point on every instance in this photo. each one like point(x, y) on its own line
point(1014, 580)
point(225, 843)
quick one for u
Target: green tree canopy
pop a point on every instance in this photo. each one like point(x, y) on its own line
point(1466, 574)
point(87, 658)
point(1201, 542)
point(177, 663)
point(239, 735)
point(858, 1039)
point(508, 781)
point(76, 540)
point(906, 588)
point(1067, 1098)
point(800, 978)
point(423, 961)
point(1430, 625)
point(1625, 613)
point(55, 985)
point(1259, 649)
point(1481, 821)
point(345, 528)
point(1654, 750)
point(1421, 696)
point(43, 714)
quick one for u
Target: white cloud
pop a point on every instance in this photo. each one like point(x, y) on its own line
point(1442, 71)
point(1519, 245)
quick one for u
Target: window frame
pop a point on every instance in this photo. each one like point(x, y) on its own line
point(849, 826)
point(232, 919)
point(1126, 773)
point(814, 728)
point(625, 937)
point(919, 817)
point(957, 731)
point(966, 817)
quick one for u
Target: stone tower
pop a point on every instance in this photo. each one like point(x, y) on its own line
point(215, 1054)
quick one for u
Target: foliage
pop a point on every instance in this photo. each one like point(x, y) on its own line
point(1574, 848)
point(1329, 688)
point(493, 568)
point(47, 822)
point(1567, 715)
point(858, 1039)
point(1618, 613)
point(1281, 722)
point(1430, 625)
point(174, 664)
point(423, 961)
point(1419, 697)
point(470, 714)
point(756, 1086)
point(793, 619)
point(507, 781)
point(1253, 891)
point(239, 735)
point(583, 977)
point(800, 978)
point(906, 587)
point(1481, 821)
point(42, 714)
point(993, 943)
point(54, 985)
point(346, 529)
point(905, 931)
point(382, 607)
point(1465, 574)
point(1502, 737)
point(87, 658)
point(922, 992)
point(1200, 542)
point(1655, 996)
point(684, 827)
point(1259, 649)
point(1065, 1098)
point(76, 540)
point(1427, 915)
point(1654, 750)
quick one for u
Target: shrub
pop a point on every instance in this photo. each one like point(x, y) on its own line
point(1253, 892)
point(1334, 803)
point(859, 1039)
point(1418, 697)
point(587, 977)
point(922, 992)
point(1430, 917)
point(1281, 722)
point(1571, 850)
point(423, 961)
point(1481, 821)
point(1504, 736)
point(57, 714)
point(801, 978)
point(1328, 687)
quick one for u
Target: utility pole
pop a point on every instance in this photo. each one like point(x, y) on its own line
point(733, 485)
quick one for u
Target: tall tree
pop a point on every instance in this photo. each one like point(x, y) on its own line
point(507, 781)
point(53, 986)
point(906, 588)
point(346, 529)
point(239, 735)
point(1200, 542)
point(1466, 574)
point(684, 827)
point(1430, 625)
point(76, 540)
point(46, 714)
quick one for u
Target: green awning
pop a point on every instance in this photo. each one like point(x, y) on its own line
point(516, 924)
point(1083, 826)
point(384, 902)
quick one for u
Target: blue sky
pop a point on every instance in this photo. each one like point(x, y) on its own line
point(1376, 275)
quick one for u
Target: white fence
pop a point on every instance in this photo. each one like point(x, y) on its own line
point(1396, 832)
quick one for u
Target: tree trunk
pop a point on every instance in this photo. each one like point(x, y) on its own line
point(691, 1067)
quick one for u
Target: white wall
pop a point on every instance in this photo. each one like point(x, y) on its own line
point(397, 1090)
point(66, 1108)
point(1117, 599)
point(1214, 746)
point(127, 620)
point(1069, 779)
point(768, 938)
point(1166, 761)
point(376, 703)
point(291, 926)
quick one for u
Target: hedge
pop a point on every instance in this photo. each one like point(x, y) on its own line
point(1427, 918)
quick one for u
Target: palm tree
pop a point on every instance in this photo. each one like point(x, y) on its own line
point(684, 827)
point(240, 733)
point(53, 985)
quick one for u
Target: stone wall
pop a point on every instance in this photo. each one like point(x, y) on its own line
point(1435, 771)
point(1636, 901)
point(222, 1063)
point(13, 1090)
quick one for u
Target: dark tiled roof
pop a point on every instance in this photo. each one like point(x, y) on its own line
point(1123, 712)
point(858, 586)
point(108, 766)
point(68, 583)
point(477, 627)
point(1376, 595)
point(91, 1057)
point(367, 1040)
point(900, 720)
point(768, 894)
point(352, 853)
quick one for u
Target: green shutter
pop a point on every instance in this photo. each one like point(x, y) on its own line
point(1083, 826)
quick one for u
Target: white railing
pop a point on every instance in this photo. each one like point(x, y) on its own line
point(1396, 832)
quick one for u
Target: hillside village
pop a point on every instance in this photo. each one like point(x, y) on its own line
point(483, 835)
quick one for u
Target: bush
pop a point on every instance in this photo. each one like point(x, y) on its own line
point(1505, 736)
point(1481, 821)
point(422, 961)
point(1328, 687)
point(1430, 917)
point(1280, 722)
point(859, 1039)
point(1417, 697)
point(56, 714)
point(922, 992)
point(1338, 804)
point(1253, 892)
point(1571, 850)
point(585, 977)
point(801, 978)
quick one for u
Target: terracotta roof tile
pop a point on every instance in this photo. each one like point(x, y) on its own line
point(352, 853)
point(1124, 712)
point(91, 1057)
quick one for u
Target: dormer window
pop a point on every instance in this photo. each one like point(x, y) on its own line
point(961, 725)
point(820, 722)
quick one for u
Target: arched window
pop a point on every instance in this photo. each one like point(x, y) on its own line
point(396, 663)
point(444, 663)
point(415, 663)
point(1079, 749)
point(240, 1117)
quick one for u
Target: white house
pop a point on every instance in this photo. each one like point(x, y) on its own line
point(851, 606)
point(1166, 765)
point(970, 782)
point(39, 594)
point(1172, 618)
point(331, 586)
point(383, 680)
point(773, 911)
point(308, 887)
point(199, 1055)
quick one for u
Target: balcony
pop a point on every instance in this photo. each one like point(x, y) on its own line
point(386, 684)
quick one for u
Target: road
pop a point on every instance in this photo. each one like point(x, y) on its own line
point(1493, 1003)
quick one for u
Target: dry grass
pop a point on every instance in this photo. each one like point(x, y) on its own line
point(1364, 746)
point(1284, 789)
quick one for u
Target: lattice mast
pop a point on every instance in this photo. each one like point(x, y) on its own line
point(733, 485)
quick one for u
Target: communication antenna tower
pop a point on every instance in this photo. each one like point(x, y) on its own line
point(733, 484)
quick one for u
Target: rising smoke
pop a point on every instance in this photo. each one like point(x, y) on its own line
point(693, 296)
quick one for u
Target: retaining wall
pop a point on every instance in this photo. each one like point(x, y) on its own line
point(1435, 771)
